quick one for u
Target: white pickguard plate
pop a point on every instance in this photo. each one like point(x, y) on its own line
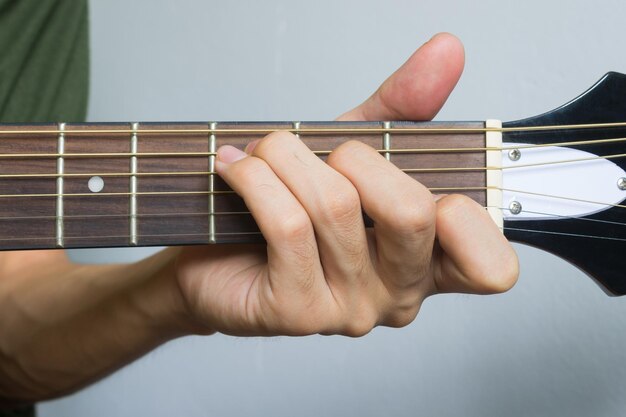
point(549, 189)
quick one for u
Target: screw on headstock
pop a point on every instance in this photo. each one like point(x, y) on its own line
point(515, 207)
point(621, 183)
point(515, 154)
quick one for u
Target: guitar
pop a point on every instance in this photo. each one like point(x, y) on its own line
point(556, 181)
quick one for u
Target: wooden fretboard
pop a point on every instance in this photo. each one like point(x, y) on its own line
point(159, 185)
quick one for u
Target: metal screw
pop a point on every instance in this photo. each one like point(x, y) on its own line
point(621, 183)
point(515, 154)
point(515, 207)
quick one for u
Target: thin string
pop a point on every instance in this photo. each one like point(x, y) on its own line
point(325, 130)
point(319, 152)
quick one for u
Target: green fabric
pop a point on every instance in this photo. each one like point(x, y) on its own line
point(25, 411)
point(44, 60)
point(44, 64)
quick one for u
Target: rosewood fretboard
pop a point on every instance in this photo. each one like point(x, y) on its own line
point(159, 188)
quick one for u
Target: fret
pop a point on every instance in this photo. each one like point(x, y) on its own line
point(182, 218)
point(133, 184)
point(387, 141)
point(59, 189)
point(212, 150)
point(96, 215)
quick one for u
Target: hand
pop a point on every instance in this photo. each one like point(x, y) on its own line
point(322, 271)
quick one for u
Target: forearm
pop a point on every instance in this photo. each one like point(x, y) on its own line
point(71, 324)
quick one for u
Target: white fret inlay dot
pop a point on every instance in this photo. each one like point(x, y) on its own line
point(95, 184)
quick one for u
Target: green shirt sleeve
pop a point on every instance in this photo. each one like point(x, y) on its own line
point(44, 60)
point(44, 65)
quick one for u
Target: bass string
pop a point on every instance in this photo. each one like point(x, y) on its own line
point(259, 234)
point(189, 193)
point(247, 213)
point(206, 214)
point(231, 192)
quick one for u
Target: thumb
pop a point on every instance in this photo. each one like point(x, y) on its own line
point(420, 87)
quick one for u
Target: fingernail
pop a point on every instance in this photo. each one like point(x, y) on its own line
point(229, 154)
point(250, 147)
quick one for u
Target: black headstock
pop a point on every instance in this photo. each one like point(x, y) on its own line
point(596, 243)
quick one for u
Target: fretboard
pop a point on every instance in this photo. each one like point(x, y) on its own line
point(146, 184)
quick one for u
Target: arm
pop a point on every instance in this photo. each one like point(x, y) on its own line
point(63, 326)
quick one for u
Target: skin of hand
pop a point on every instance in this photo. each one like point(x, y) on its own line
point(64, 325)
point(322, 271)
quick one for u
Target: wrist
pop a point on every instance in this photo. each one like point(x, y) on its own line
point(159, 301)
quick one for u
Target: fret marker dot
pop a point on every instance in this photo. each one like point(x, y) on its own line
point(95, 184)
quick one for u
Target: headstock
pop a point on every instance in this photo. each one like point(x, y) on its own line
point(595, 242)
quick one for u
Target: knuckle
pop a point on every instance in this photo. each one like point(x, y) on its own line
point(248, 170)
point(402, 318)
point(275, 140)
point(453, 204)
point(360, 324)
point(345, 153)
point(295, 227)
point(414, 216)
point(343, 205)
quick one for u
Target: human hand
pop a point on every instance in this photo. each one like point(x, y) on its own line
point(322, 271)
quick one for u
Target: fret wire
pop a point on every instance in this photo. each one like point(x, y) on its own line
point(348, 130)
point(59, 223)
point(212, 150)
point(320, 152)
point(387, 141)
point(133, 185)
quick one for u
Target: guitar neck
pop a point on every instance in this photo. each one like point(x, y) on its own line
point(147, 184)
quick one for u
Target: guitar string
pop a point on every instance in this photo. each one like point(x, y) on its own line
point(554, 215)
point(552, 232)
point(174, 193)
point(233, 234)
point(503, 148)
point(242, 213)
point(317, 152)
point(407, 170)
point(231, 192)
point(256, 233)
point(325, 130)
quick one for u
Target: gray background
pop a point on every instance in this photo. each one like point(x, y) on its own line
point(553, 346)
